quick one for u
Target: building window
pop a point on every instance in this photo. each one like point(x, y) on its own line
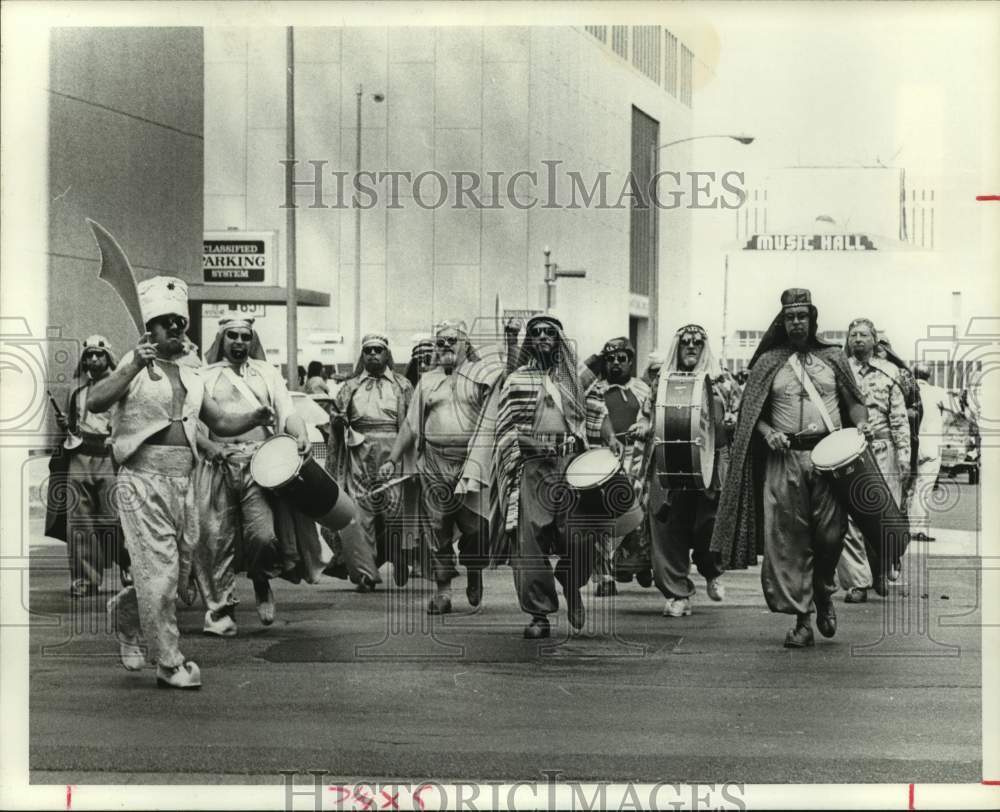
point(670, 64)
point(686, 65)
point(642, 222)
point(619, 40)
point(646, 50)
point(599, 31)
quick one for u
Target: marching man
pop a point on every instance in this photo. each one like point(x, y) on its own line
point(156, 396)
point(230, 503)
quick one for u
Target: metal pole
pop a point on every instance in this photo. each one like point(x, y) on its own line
point(725, 307)
point(291, 283)
point(548, 281)
point(357, 233)
point(654, 270)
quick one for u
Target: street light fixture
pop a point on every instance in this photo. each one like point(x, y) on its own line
point(654, 243)
point(377, 98)
point(742, 139)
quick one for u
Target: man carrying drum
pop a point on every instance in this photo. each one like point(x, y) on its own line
point(230, 504)
point(543, 421)
point(157, 397)
point(879, 382)
point(624, 396)
point(440, 423)
point(773, 499)
point(367, 415)
point(682, 520)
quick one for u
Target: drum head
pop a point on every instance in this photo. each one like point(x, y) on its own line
point(591, 468)
point(275, 462)
point(705, 419)
point(838, 448)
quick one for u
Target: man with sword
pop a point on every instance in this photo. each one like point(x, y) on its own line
point(156, 396)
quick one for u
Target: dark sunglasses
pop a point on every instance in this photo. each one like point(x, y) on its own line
point(620, 357)
point(692, 342)
point(426, 358)
point(538, 332)
point(235, 335)
point(167, 321)
point(88, 354)
point(373, 350)
point(446, 341)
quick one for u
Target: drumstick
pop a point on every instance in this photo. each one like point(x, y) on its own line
point(55, 405)
point(389, 484)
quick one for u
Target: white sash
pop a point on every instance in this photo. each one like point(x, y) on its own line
point(807, 384)
point(241, 386)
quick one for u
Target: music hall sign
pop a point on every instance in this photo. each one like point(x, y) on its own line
point(809, 242)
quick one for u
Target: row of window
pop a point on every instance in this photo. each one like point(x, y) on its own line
point(654, 51)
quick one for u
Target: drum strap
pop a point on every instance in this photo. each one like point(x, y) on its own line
point(241, 386)
point(807, 384)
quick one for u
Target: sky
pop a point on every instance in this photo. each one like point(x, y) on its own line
point(905, 85)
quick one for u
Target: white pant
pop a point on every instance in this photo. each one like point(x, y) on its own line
point(160, 518)
point(923, 488)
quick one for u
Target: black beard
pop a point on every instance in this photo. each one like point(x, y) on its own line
point(618, 377)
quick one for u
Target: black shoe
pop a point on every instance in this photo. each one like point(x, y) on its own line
point(537, 629)
point(645, 578)
point(799, 637)
point(605, 589)
point(366, 584)
point(826, 620)
point(574, 609)
point(439, 605)
point(923, 537)
point(474, 588)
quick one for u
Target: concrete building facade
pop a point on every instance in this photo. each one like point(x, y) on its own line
point(476, 100)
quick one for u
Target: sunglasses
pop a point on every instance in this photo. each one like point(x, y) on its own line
point(235, 335)
point(538, 332)
point(94, 354)
point(168, 321)
point(692, 342)
point(426, 358)
point(372, 350)
point(620, 357)
point(446, 341)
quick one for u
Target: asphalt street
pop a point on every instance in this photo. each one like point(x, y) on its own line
point(367, 687)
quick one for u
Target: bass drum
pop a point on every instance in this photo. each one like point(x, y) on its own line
point(684, 448)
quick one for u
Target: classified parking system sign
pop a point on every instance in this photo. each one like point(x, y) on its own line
point(235, 258)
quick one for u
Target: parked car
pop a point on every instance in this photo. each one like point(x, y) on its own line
point(960, 447)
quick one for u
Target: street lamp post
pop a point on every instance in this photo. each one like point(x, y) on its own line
point(654, 242)
point(376, 97)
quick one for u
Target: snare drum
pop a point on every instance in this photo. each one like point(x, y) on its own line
point(845, 458)
point(277, 466)
point(685, 431)
point(601, 486)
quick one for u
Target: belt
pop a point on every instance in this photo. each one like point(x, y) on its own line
point(804, 442)
point(94, 445)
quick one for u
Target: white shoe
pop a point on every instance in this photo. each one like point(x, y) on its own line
point(223, 627)
point(130, 653)
point(716, 589)
point(183, 676)
point(677, 607)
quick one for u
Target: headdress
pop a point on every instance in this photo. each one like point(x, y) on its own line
point(254, 350)
point(95, 342)
point(162, 295)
